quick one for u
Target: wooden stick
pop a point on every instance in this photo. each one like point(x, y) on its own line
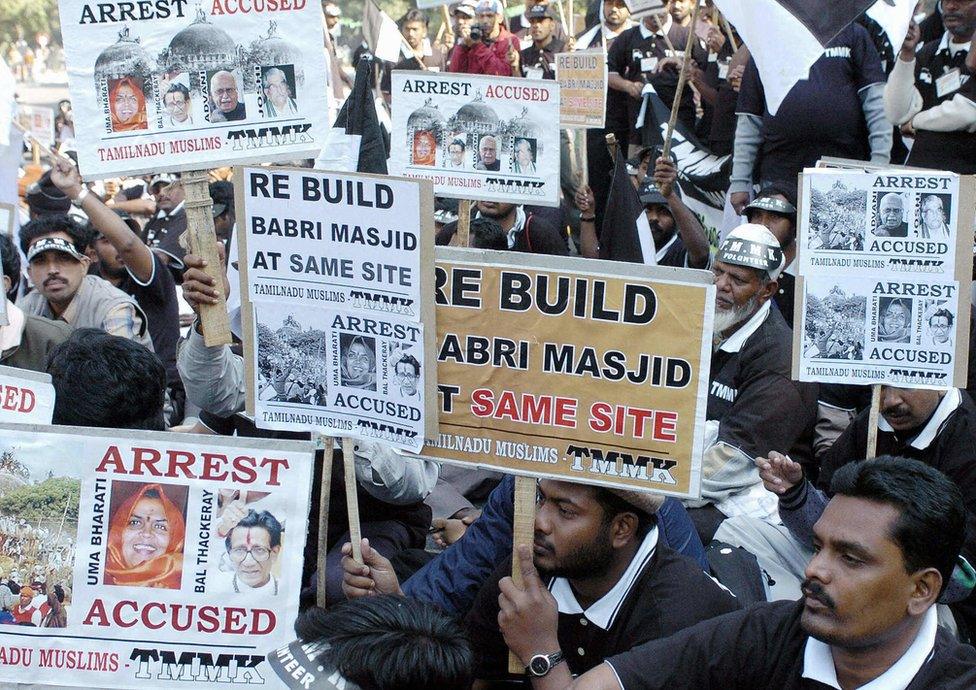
point(682, 80)
point(447, 21)
point(523, 532)
point(463, 234)
point(326, 443)
point(661, 19)
point(728, 32)
point(872, 448)
point(612, 147)
point(352, 497)
point(35, 142)
point(201, 240)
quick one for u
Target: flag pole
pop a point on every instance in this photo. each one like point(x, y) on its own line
point(682, 80)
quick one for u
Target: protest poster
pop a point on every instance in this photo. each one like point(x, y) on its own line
point(38, 121)
point(885, 269)
point(582, 79)
point(26, 397)
point(575, 369)
point(911, 332)
point(169, 85)
point(338, 320)
point(155, 560)
point(477, 137)
point(883, 222)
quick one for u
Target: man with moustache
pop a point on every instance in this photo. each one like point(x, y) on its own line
point(753, 404)
point(598, 579)
point(935, 427)
point(121, 258)
point(58, 266)
point(867, 618)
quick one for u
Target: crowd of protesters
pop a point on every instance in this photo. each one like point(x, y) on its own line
point(802, 565)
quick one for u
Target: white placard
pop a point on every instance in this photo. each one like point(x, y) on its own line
point(477, 137)
point(899, 331)
point(171, 85)
point(160, 560)
point(885, 223)
point(26, 397)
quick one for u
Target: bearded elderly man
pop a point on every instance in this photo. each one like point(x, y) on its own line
point(753, 403)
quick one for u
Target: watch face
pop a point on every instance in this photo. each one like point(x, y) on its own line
point(539, 665)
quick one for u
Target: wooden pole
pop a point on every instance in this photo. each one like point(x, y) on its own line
point(661, 20)
point(872, 448)
point(728, 32)
point(352, 497)
point(523, 532)
point(682, 80)
point(448, 27)
point(200, 239)
point(326, 443)
point(463, 234)
point(612, 147)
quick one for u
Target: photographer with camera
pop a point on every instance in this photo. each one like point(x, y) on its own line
point(486, 46)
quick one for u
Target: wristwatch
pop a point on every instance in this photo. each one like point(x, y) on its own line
point(541, 664)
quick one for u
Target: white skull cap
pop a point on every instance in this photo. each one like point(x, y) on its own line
point(754, 246)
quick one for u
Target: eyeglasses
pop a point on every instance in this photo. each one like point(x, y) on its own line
point(258, 553)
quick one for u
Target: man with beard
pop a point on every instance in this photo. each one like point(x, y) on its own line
point(604, 584)
point(753, 403)
point(678, 235)
point(524, 232)
point(886, 545)
point(123, 260)
point(538, 60)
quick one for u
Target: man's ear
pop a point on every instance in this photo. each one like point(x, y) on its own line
point(6, 284)
point(623, 529)
point(768, 291)
point(927, 586)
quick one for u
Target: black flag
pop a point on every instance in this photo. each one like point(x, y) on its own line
point(624, 221)
point(358, 116)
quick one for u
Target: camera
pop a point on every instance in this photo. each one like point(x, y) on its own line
point(477, 33)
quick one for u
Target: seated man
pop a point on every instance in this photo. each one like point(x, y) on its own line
point(935, 427)
point(381, 643)
point(106, 381)
point(55, 248)
point(26, 340)
point(867, 617)
point(615, 582)
point(753, 404)
point(452, 579)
